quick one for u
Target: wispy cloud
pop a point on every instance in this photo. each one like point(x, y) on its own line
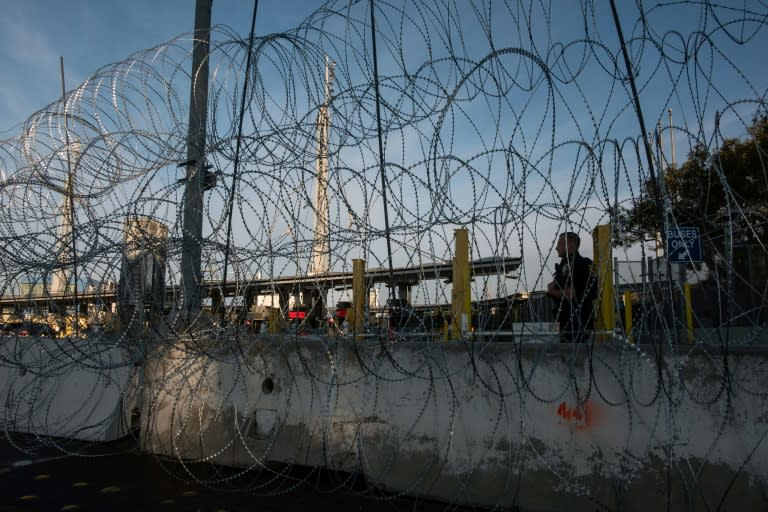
point(29, 60)
point(24, 42)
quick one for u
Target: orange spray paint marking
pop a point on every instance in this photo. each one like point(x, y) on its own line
point(579, 416)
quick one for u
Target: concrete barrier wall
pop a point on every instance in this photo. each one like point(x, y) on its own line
point(540, 426)
point(66, 388)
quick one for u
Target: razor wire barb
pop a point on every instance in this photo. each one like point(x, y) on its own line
point(512, 120)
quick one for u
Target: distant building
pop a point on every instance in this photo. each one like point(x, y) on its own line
point(142, 276)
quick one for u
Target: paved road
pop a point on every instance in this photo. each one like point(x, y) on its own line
point(116, 477)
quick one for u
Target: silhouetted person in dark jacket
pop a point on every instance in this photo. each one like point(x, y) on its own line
point(573, 290)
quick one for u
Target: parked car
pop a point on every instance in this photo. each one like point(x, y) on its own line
point(35, 329)
point(260, 317)
point(342, 310)
point(9, 329)
point(298, 312)
point(401, 314)
point(298, 315)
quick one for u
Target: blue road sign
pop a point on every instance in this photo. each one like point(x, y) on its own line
point(684, 245)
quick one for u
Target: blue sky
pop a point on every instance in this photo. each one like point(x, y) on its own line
point(90, 34)
point(545, 122)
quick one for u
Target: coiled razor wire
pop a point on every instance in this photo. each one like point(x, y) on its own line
point(513, 120)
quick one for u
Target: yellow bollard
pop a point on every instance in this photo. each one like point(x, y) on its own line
point(461, 299)
point(688, 311)
point(359, 298)
point(605, 313)
point(628, 315)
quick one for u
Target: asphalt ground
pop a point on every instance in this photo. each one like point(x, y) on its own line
point(59, 475)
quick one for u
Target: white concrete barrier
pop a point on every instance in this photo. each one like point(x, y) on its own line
point(66, 388)
point(540, 426)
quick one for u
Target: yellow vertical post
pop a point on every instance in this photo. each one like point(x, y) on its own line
point(359, 297)
point(688, 311)
point(628, 315)
point(605, 313)
point(461, 312)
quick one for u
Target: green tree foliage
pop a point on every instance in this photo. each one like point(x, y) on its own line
point(728, 187)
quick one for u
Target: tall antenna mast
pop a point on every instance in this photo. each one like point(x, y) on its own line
point(61, 276)
point(321, 245)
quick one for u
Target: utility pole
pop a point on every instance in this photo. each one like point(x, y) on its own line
point(191, 273)
point(671, 138)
